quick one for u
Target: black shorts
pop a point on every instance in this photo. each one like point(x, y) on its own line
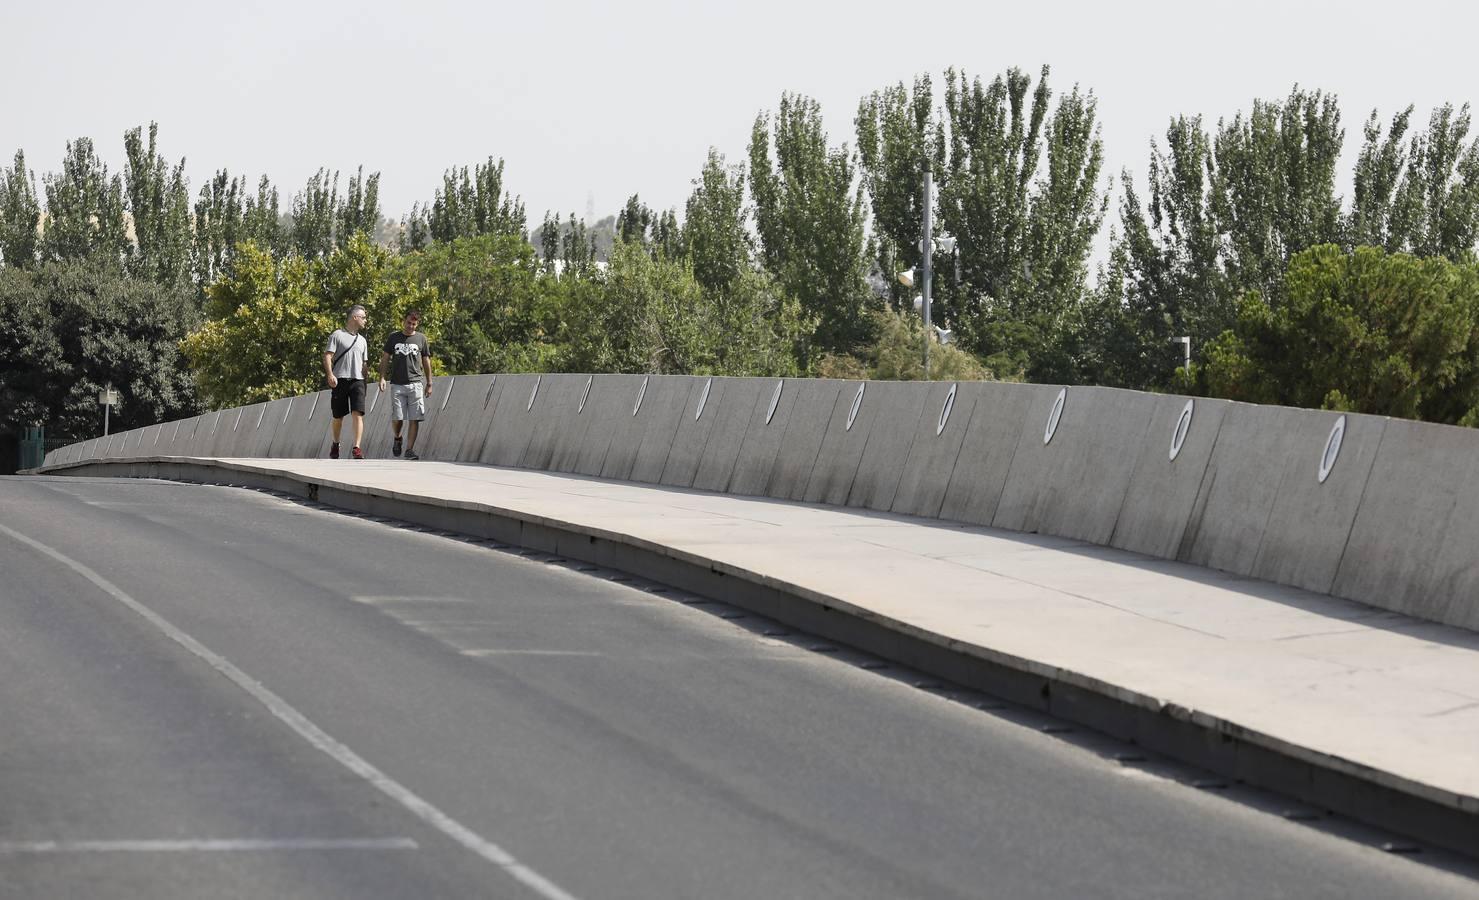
point(348, 394)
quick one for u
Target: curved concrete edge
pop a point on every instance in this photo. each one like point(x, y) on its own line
point(1387, 800)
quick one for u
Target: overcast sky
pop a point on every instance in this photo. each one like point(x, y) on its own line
point(590, 102)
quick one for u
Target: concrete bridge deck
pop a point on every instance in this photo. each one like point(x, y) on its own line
point(1365, 711)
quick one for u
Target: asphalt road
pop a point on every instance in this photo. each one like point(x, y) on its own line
point(211, 692)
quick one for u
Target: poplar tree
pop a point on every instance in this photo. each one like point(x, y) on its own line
point(359, 212)
point(1420, 197)
point(159, 201)
point(84, 209)
point(898, 139)
point(315, 210)
point(20, 215)
point(218, 226)
point(1023, 238)
point(470, 204)
point(810, 215)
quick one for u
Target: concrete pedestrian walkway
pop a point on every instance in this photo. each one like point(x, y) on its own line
point(1371, 696)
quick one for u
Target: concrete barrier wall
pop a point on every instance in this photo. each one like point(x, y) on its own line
point(739, 402)
point(1388, 515)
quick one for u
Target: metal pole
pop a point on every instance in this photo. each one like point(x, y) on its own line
point(927, 248)
point(107, 408)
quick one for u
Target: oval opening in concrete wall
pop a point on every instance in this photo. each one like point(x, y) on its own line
point(216, 421)
point(1054, 416)
point(239, 413)
point(584, 394)
point(447, 394)
point(703, 400)
point(1332, 448)
point(288, 411)
point(260, 416)
point(374, 398)
point(640, 394)
point(534, 393)
point(158, 434)
point(774, 399)
point(488, 397)
point(314, 408)
point(857, 404)
point(1183, 425)
point(945, 410)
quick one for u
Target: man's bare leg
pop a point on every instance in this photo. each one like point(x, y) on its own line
point(411, 434)
point(359, 427)
point(337, 424)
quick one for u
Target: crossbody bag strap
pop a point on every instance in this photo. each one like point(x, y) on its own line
point(357, 339)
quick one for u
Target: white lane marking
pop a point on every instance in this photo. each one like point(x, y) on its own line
point(313, 734)
point(190, 846)
point(493, 652)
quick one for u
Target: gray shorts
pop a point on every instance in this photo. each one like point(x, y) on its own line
point(408, 402)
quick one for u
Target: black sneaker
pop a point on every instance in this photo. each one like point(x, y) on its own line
point(395, 449)
point(411, 454)
point(334, 450)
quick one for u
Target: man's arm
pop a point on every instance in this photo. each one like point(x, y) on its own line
point(329, 368)
point(427, 374)
point(384, 363)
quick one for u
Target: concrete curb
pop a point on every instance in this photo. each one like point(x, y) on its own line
point(1382, 798)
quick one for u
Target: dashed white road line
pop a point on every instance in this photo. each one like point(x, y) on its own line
point(205, 845)
point(313, 734)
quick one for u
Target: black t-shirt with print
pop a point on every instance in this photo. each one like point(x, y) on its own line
point(406, 354)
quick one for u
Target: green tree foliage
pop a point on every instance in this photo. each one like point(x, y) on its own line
point(1367, 331)
point(1023, 239)
point(898, 354)
point(227, 215)
point(261, 222)
point(1225, 215)
point(569, 248)
point(20, 215)
point(77, 325)
point(359, 212)
point(468, 205)
point(898, 139)
point(84, 209)
point(810, 216)
point(267, 319)
point(315, 210)
point(647, 313)
point(218, 226)
point(500, 316)
point(263, 326)
point(159, 201)
point(1421, 197)
point(659, 232)
point(715, 235)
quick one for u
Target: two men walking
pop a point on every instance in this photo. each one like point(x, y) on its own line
point(405, 353)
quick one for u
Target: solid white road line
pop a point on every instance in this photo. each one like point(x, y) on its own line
point(313, 734)
point(249, 844)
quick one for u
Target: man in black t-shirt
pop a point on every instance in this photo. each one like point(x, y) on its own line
point(407, 355)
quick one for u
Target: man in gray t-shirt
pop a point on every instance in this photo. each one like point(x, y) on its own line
point(344, 364)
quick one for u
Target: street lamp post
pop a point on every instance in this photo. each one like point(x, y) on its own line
point(107, 398)
point(1185, 342)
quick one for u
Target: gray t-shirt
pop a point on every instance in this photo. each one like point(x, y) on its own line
point(353, 347)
